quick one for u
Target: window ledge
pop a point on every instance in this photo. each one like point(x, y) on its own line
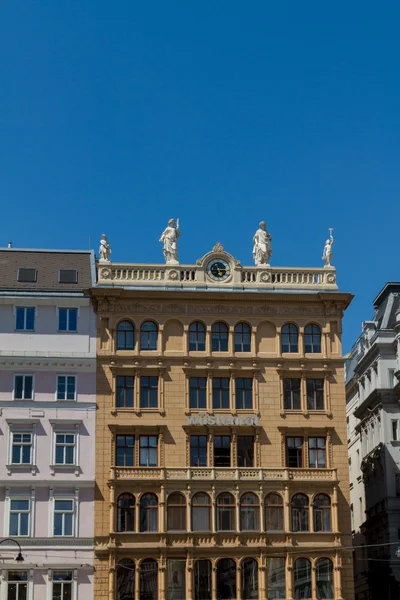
point(65, 469)
point(21, 467)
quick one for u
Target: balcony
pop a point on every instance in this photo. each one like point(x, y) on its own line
point(221, 474)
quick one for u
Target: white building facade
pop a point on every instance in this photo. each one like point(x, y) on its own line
point(47, 424)
point(373, 418)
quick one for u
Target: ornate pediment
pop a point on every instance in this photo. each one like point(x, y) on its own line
point(218, 251)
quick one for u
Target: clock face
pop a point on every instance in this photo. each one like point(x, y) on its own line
point(218, 270)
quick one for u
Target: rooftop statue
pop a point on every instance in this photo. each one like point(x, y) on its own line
point(169, 237)
point(327, 254)
point(105, 249)
point(262, 245)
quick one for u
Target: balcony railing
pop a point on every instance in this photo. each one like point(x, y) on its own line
point(188, 276)
point(221, 474)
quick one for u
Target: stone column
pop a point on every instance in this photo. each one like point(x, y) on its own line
point(162, 510)
point(286, 508)
point(213, 510)
point(238, 582)
point(137, 579)
point(313, 579)
point(213, 579)
point(335, 516)
point(112, 507)
point(289, 577)
point(262, 574)
point(111, 583)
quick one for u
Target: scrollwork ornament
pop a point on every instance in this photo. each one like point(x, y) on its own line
point(265, 277)
point(105, 273)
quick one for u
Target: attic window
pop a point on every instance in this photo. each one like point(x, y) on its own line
point(68, 276)
point(27, 275)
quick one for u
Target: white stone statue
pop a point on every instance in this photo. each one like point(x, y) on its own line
point(169, 238)
point(327, 254)
point(262, 245)
point(105, 249)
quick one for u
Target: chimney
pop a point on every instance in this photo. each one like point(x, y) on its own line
point(10, 244)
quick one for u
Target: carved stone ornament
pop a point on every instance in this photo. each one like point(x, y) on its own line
point(173, 275)
point(218, 248)
point(331, 278)
point(105, 273)
point(265, 277)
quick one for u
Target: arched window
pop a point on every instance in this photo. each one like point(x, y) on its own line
point(302, 578)
point(226, 579)
point(300, 513)
point(249, 512)
point(148, 579)
point(249, 579)
point(273, 512)
point(312, 339)
point(290, 338)
point(176, 512)
point(126, 579)
point(148, 336)
point(197, 337)
point(242, 337)
point(126, 512)
point(125, 336)
point(219, 333)
point(324, 575)
point(148, 512)
point(202, 580)
point(322, 513)
point(225, 512)
point(201, 512)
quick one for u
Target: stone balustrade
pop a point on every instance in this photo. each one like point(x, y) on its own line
point(221, 474)
point(188, 276)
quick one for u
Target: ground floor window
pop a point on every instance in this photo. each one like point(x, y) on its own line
point(249, 579)
point(202, 580)
point(148, 579)
point(276, 578)
point(61, 585)
point(324, 574)
point(302, 578)
point(226, 579)
point(126, 579)
point(17, 585)
point(176, 579)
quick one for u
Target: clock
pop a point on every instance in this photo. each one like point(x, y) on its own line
point(218, 270)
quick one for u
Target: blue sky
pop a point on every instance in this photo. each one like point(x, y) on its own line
point(116, 116)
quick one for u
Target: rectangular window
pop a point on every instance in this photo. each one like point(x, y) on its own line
point(294, 452)
point(19, 517)
point(65, 449)
point(27, 275)
point(317, 452)
point(125, 447)
point(68, 319)
point(198, 450)
point(220, 392)
point(61, 585)
point(315, 394)
point(276, 578)
point(176, 579)
point(63, 518)
point(25, 318)
point(222, 451)
point(245, 450)
point(148, 450)
point(149, 392)
point(21, 451)
point(244, 393)
point(17, 585)
point(23, 387)
point(291, 394)
point(395, 431)
point(68, 276)
point(66, 387)
point(198, 392)
point(391, 378)
point(125, 387)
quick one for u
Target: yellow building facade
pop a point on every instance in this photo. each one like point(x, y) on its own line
point(221, 433)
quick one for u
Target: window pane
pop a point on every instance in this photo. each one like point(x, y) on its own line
point(28, 387)
point(20, 321)
point(19, 384)
point(70, 388)
point(61, 387)
point(73, 319)
point(62, 319)
point(276, 578)
point(30, 318)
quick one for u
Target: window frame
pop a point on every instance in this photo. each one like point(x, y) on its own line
point(68, 310)
point(245, 511)
point(149, 389)
point(318, 393)
point(19, 512)
point(300, 452)
point(243, 392)
point(67, 376)
point(220, 392)
point(198, 392)
point(289, 392)
point(65, 445)
point(124, 389)
point(181, 512)
point(276, 507)
point(203, 508)
point(125, 446)
point(320, 512)
point(150, 509)
point(126, 513)
point(25, 318)
point(72, 512)
point(14, 432)
point(197, 448)
point(300, 513)
point(317, 451)
point(148, 449)
point(245, 466)
point(71, 582)
point(239, 337)
point(126, 334)
point(7, 582)
point(315, 337)
point(148, 335)
point(195, 331)
point(291, 344)
point(218, 334)
point(221, 507)
point(24, 376)
point(229, 437)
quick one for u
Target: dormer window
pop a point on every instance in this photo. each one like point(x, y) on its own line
point(68, 276)
point(27, 275)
